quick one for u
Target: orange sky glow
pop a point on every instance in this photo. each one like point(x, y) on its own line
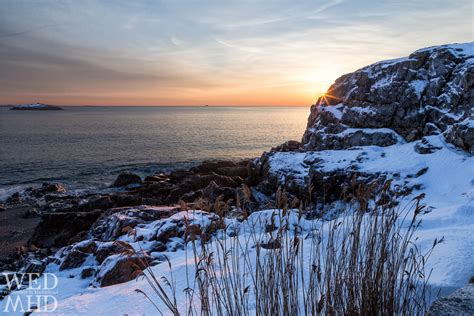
point(233, 53)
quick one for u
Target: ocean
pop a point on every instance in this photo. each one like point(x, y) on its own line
point(87, 147)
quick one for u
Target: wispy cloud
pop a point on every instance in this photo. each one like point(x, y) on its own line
point(208, 52)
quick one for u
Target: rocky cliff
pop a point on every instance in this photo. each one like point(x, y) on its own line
point(429, 92)
point(419, 105)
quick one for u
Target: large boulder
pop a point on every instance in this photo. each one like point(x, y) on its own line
point(73, 259)
point(120, 268)
point(424, 93)
point(462, 135)
point(127, 178)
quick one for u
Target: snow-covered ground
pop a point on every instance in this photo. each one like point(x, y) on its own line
point(448, 184)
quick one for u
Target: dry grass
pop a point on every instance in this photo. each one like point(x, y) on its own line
point(366, 262)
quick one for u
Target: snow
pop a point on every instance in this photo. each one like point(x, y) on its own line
point(458, 49)
point(383, 130)
point(335, 110)
point(448, 185)
point(362, 110)
point(419, 86)
point(31, 106)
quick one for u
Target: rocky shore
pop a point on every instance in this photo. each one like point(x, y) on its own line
point(396, 120)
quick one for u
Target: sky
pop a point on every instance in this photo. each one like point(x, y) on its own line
point(150, 52)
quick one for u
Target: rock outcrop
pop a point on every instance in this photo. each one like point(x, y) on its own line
point(431, 91)
point(460, 302)
point(127, 178)
point(425, 99)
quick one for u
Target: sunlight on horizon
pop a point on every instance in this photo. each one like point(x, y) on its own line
point(233, 53)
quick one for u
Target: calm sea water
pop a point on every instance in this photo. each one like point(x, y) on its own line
point(89, 146)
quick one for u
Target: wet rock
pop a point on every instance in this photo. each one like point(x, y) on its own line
point(100, 202)
point(57, 229)
point(212, 165)
point(127, 178)
point(48, 188)
point(237, 171)
point(157, 177)
point(178, 175)
point(14, 198)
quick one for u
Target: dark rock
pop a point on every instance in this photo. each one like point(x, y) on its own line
point(127, 178)
point(417, 96)
point(158, 177)
point(2, 208)
point(344, 140)
point(201, 181)
point(35, 266)
point(30, 213)
point(238, 171)
point(101, 202)
point(14, 198)
point(462, 135)
point(110, 226)
point(119, 269)
point(73, 259)
point(87, 273)
point(290, 145)
point(88, 246)
point(108, 249)
point(424, 146)
point(178, 175)
point(163, 235)
point(460, 302)
point(57, 229)
point(212, 165)
point(48, 188)
point(158, 246)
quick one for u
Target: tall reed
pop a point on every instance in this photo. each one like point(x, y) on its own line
point(365, 262)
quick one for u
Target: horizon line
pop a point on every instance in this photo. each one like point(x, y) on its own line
point(164, 105)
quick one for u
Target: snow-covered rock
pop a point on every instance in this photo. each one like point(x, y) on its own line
point(36, 106)
point(422, 94)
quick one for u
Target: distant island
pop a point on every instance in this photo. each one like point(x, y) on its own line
point(36, 107)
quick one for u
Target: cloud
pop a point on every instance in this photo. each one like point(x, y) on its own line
point(220, 51)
